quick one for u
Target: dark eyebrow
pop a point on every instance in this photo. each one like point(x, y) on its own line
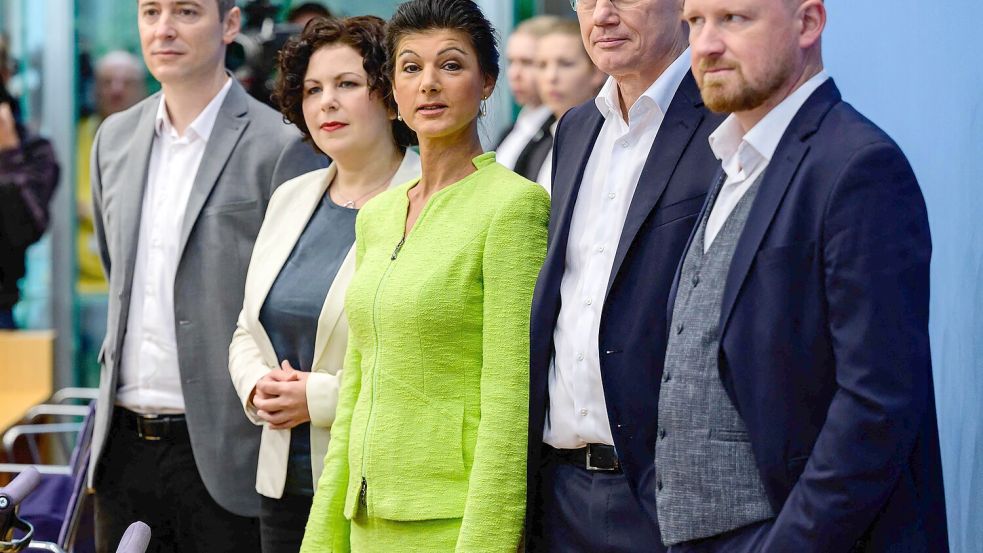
point(449, 48)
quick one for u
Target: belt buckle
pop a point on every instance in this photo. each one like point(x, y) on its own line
point(588, 464)
point(140, 431)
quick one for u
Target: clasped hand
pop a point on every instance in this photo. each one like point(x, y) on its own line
point(280, 398)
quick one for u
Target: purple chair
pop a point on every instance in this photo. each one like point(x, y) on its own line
point(16, 534)
point(59, 513)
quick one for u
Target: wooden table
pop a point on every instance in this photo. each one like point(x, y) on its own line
point(26, 369)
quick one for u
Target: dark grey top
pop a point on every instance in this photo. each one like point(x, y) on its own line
point(292, 308)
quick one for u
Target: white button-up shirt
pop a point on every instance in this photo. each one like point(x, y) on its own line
point(527, 124)
point(578, 412)
point(745, 156)
point(150, 381)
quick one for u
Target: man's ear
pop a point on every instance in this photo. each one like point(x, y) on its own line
point(811, 16)
point(231, 25)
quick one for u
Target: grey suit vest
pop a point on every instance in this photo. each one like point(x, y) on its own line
point(707, 480)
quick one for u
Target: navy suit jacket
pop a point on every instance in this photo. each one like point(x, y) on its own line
point(671, 190)
point(824, 344)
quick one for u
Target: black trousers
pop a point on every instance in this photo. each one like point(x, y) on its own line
point(748, 539)
point(158, 483)
point(591, 512)
point(282, 522)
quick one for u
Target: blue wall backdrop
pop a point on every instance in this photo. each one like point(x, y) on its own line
point(914, 68)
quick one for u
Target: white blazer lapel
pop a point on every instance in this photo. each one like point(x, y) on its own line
point(287, 217)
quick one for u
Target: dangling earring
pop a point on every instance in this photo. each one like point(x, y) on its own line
point(398, 116)
point(483, 108)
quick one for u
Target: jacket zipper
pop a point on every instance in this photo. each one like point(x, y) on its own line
point(364, 488)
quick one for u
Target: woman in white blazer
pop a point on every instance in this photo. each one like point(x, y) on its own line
point(287, 352)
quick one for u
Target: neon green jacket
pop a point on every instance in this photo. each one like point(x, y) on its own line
point(433, 408)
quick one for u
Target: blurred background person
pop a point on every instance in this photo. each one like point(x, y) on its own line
point(120, 82)
point(427, 451)
point(28, 177)
point(287, 353)
point(565, 78)
point(531, 127)
point(301, 14)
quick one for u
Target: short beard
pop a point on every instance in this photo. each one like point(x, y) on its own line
point(748, 96)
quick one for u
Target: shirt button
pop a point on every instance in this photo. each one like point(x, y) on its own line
point(679, 328)
point(611, 195)
point(588, 301)
point(580, 357)
point(600, 249)
point(583, 412)
point(625, 144)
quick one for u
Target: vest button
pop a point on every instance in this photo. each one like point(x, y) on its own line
point(667, 377)
point(679, 328)
point(658, 485)
point(696, 279)
point(662, 433)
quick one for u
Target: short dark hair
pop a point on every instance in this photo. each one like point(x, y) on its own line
point(223, 8)
point(419, 16)
point(366, 35)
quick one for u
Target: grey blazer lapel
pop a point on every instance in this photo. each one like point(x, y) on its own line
point(133, 186)
point(231, 123)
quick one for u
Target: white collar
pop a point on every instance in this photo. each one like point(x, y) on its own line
point(202, 126)
point(729, 140)
point(660, 93)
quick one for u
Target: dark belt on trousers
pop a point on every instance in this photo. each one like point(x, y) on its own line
point(592, 457)
point(152, 428)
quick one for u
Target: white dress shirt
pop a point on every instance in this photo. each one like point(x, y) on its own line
point(527, 124)
point(149, 380)
point(545, 176)
point(745, 156)
point(577, 412)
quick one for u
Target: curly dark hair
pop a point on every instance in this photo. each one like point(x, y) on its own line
point(419, 16)
point(366, 35)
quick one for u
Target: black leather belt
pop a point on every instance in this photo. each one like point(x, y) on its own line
point(153, 428)
point(593, 457)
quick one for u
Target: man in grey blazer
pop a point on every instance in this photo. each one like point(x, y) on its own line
point(180, 184)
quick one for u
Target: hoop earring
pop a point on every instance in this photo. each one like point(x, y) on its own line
point(483, 108)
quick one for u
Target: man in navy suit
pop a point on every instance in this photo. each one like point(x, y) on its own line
point(797, 411)
point(630, 173)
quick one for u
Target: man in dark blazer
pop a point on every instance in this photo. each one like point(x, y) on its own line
point(797, 410)
point(630, 172)
point(180, 185)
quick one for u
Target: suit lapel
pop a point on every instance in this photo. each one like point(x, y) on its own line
point(567, 180)
point(135, 183)
point(778, 176)
point(681, 120)
point(287, 233)
point(229, 126)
